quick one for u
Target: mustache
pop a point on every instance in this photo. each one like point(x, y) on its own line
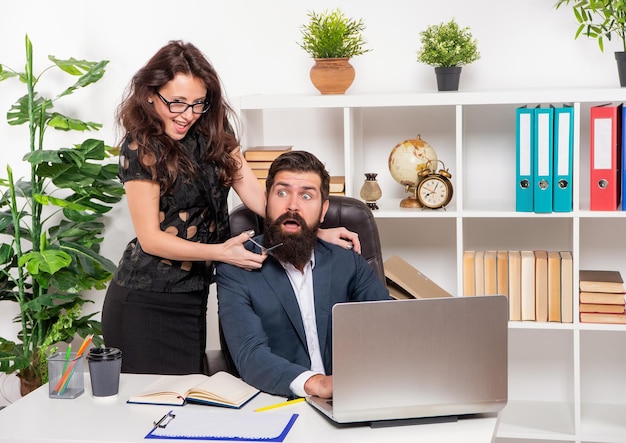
point(290, 215)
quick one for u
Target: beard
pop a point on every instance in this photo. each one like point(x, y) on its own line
point(297, 247)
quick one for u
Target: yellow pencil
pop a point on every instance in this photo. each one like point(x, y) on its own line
point(279, 405)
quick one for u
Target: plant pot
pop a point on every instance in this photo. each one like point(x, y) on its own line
point(620, 57)
point(29, 381)
point(448, 78)
point(332, 75)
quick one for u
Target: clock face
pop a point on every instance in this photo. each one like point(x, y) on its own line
point(434, 192)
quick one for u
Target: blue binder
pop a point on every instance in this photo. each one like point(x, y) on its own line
point(542, 159)
point(623, 159)
point(524, 139)
point(563, 151)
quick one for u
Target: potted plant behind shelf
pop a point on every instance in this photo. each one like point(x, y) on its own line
point(602, 19)
point(447, 47)
point(50, 228)
point(332, 39)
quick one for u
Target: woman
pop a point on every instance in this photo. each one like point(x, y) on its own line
point(178, 160)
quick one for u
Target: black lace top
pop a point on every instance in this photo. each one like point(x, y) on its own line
point(195, 210)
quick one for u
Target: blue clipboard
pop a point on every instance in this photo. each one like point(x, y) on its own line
point(196, 424)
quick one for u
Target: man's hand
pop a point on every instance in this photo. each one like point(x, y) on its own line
point(320, 386)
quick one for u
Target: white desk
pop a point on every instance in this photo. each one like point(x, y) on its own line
point(37, 418)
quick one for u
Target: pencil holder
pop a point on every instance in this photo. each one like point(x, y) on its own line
point(65, 375)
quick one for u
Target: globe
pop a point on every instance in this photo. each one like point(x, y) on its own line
point(406, 160)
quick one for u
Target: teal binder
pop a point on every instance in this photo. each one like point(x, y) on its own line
point(542, 159)
point(562, 186)
point(524, 139)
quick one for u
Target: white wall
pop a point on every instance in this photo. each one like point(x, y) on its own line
point(524, 44)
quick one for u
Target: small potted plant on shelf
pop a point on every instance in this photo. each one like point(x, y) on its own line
point(332, 39)
point(447, 47)
point(602, 19)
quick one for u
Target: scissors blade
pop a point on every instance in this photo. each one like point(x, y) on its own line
point(268, 251)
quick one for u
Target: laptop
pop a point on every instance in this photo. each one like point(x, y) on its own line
point(412, 359)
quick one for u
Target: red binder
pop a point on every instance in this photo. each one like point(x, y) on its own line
point(605, 157)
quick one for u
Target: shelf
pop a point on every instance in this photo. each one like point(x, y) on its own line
point(603, 423)
point(561, 385)
point(536, 421)
point(489, 97)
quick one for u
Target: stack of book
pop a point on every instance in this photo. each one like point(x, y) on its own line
point(261, 157)
point(602, 297)
point(538, 283)
point(337, 185)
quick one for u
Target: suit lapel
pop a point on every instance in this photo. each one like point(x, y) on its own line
point(278, 281)
point(321, 284)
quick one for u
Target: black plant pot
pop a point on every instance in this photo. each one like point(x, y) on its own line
point(620, 57)
point(448, 78)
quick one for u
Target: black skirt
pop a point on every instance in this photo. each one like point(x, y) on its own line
point(157, 332)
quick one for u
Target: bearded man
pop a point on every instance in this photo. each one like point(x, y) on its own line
point(277, 320)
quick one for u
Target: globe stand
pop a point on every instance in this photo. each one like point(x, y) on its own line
point(410, 201)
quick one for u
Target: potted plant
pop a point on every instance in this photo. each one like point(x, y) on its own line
point(602, 19)
point(332, 39)
point(50, 228)
point(447, 47)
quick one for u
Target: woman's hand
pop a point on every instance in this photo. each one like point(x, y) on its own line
point(341, 237)
point(237, 255)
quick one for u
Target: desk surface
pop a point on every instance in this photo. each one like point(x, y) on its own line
point(37, 418)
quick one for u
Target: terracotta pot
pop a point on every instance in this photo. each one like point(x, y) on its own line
point(332, 75)
point(29, 381)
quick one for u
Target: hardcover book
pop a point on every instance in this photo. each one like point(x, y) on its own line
point(594, 317)
point(265, 153)
point(219, 389)
point(405, 282)
point(605, 298)
point(601, 308)
point(601, 281)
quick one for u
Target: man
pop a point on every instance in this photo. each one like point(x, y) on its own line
point(277, 319)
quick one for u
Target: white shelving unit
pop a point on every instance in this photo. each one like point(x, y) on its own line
point(566, 381)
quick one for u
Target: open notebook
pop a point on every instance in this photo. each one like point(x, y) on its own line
point(406, 359)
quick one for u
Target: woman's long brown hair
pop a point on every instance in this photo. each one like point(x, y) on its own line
point(144, 126)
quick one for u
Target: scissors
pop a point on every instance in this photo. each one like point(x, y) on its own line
point(267, 251)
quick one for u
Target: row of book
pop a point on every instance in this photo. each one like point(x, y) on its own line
point(260, 158)
point(544, 151)
point(601, 297)
point(538, 283)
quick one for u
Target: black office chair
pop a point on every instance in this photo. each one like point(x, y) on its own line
point(348, 212)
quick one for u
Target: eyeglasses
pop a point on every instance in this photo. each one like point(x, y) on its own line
point(178, 107)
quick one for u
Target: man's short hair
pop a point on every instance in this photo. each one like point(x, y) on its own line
point(299, 161)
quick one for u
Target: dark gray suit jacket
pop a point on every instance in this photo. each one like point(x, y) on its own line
point(261, 319)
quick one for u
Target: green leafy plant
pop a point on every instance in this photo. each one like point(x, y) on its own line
point(333, 35)
point(50, 228)
point(446, 45)
point(599, 19)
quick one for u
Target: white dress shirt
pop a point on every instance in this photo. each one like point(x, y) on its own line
point(302, 284)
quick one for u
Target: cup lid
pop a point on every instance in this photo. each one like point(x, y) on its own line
point(96, 354)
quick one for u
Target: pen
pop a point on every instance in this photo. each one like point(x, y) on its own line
point(67, 357)
point(280, 405)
